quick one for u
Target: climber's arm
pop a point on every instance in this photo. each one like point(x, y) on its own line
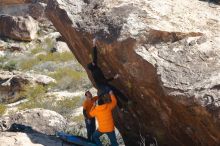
point(113, 102)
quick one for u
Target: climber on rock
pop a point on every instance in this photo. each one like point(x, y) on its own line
point(103, 113)
point(101, 82)
point(89, 121)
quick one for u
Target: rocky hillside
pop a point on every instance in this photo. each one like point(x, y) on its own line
point(167, 54)
point(37, 70)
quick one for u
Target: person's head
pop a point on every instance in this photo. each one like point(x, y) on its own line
point(101, 101)
point(88, 95)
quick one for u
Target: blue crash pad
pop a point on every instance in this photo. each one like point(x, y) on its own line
point(78, 140)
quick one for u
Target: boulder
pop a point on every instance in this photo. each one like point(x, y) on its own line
point(2, 45)
point(28, 139)
point(16, 47)
point(167, 55)
point(18, 28)
point(36, 10)
point(6, 78)
point(12, 83)
point(40, 120)
point(61, 47)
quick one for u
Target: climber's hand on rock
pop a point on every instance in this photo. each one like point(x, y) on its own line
point(111, 92)
point(116, 76)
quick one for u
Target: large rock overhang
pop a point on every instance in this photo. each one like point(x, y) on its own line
point(169, 70)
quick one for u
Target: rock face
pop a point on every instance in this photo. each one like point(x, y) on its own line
point(167, 53)
point(18, 28)
point(40, 120)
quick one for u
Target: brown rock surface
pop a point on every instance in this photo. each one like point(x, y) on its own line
point(18, 28)
point(167, 53)
point(13, 2)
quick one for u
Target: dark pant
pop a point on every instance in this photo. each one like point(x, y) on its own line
point(105, 88)
point(91, 127)
point(111, 136)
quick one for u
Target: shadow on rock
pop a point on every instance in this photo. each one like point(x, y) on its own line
point(34, 136)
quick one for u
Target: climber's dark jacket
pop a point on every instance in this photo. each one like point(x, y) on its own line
point(101, 82)
point(97, 73)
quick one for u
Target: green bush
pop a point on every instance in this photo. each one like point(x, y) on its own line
point(59, 57)
point(7, 64)
point(64, 72)
point(10, 66)
point(33, 91)
point(78, 119)
point(2, 59)
point(39, 48)
point(37, 99)
point(27, 64)
point(66, 106)
point(2, 109)
point(35, 96)
point(68, 79)
point(49, 42)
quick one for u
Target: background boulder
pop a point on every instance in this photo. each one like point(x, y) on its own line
point(40, 120)
point(18, 28)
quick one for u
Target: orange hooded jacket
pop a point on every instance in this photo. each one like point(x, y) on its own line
point(87, 105)
point(103, 114)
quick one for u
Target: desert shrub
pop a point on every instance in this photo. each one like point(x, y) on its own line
point(78, 119)
point(68, 78)
point(2, 109)
point(35, 96)
point(58, 57)
point(10, 66)
point(39, 48)
point(62, 72)
point(49, 42)
point(27, 64)
point(33, 92)
point(66, 106)
point(2, 58)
